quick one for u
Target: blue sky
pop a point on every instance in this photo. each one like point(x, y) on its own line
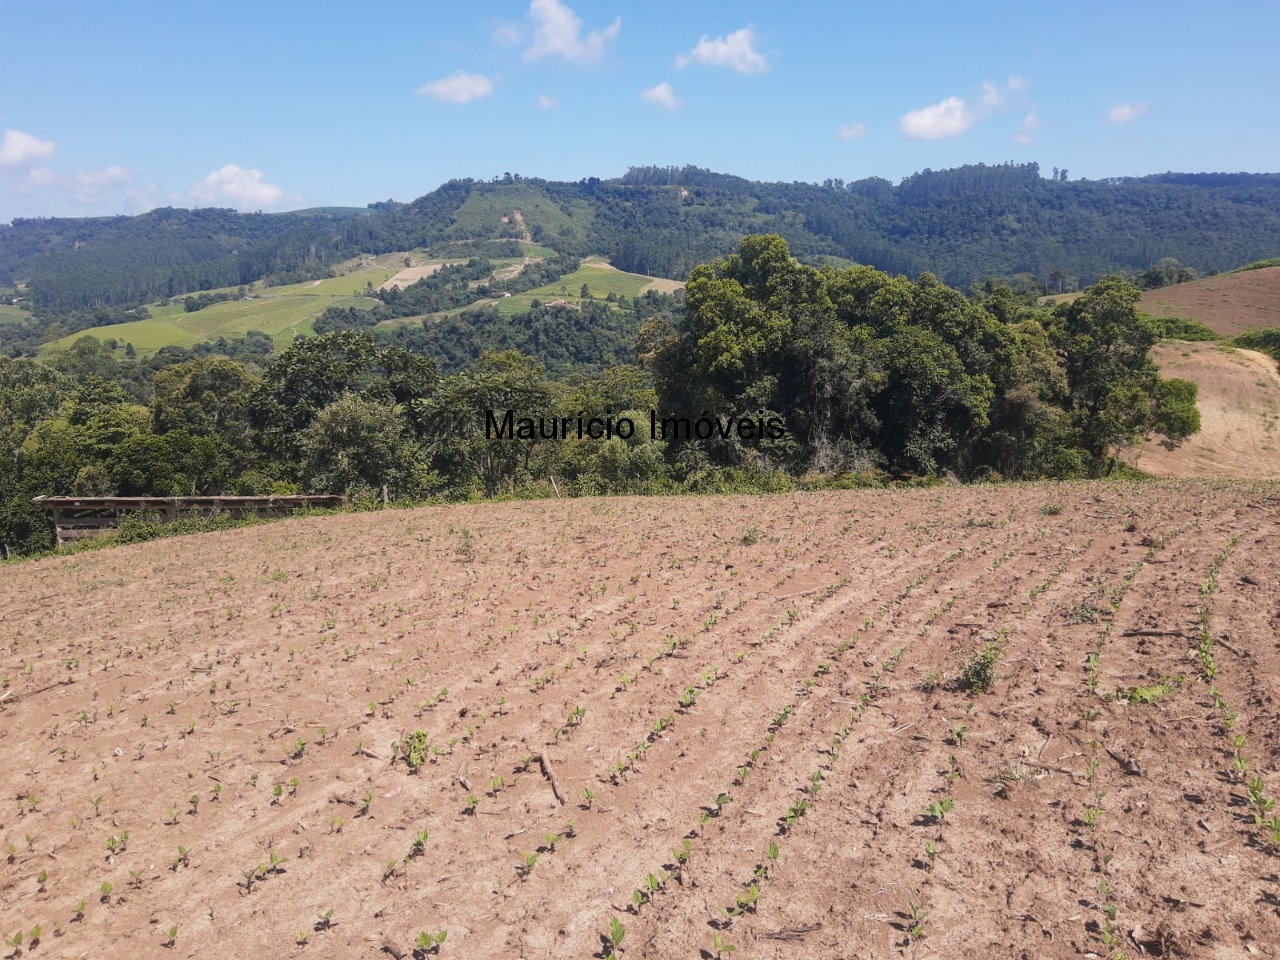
point(120, 107)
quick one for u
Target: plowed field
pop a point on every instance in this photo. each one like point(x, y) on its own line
point(756, 723)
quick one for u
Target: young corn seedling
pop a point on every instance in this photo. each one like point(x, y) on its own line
point(526, 868)
point(746, 902)
point(937, 811)
point(916, 917)
point(171, 937)
point(794, 813)
point(429, 943)
point(1271, 832)
point(419, 845)
point(575, 718)
point(682, 853)
point(613, 939)
point(720, 946)
point(413, 749)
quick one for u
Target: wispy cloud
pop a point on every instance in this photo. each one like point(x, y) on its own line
point(851, 131)
point(458, 87)
point(21, 148)
point(996, 95)
point(507, 34)
point(663, 94)
point(558, 33)
point(241, 187)
point(90, 184)
point(1024, 136)
point(42, 177)
point(736, 51)
point(547, 103)
point(1128, 112)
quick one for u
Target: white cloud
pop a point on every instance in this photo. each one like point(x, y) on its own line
point(938, 121)
point(737, 51)
point(997, 95)
point(662, 94)
point(558, 33)
point(851, 131)
point(1024, 135)
point(240, 187)
point(19, 147)
point(104, 177)
point(547, 103)
point(1125, 112)
point(506, 34)
point(458, 87)
point(89, 184)
point(42, 177)
point(142, 199)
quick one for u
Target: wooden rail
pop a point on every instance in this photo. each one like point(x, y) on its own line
point(79, 518)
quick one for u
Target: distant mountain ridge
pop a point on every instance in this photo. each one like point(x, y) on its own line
point(962, 224)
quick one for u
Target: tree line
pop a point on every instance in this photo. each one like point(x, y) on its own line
point(962, 224)
point(876, 377)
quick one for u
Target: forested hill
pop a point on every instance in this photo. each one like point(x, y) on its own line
point(964, 224)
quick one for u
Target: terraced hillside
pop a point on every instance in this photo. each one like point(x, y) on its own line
point(1027, 721)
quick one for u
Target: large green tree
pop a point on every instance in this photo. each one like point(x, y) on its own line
point(1115, 388)
point(455, 419)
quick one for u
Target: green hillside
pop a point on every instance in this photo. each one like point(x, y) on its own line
point(8, 312)
point(284, 312)
point(600, 279)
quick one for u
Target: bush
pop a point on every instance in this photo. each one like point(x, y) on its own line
point(979, 673)
point(1180, 328)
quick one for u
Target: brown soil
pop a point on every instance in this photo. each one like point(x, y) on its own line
point(753, 654)
point(411, 275)
point(663, 285)
point(1229, 304)
point(1239, 405)
point(525, 235)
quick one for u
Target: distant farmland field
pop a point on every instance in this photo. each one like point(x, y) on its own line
point(1229, 304)
point(283, 312)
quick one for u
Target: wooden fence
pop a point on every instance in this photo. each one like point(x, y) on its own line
point(79, 518)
